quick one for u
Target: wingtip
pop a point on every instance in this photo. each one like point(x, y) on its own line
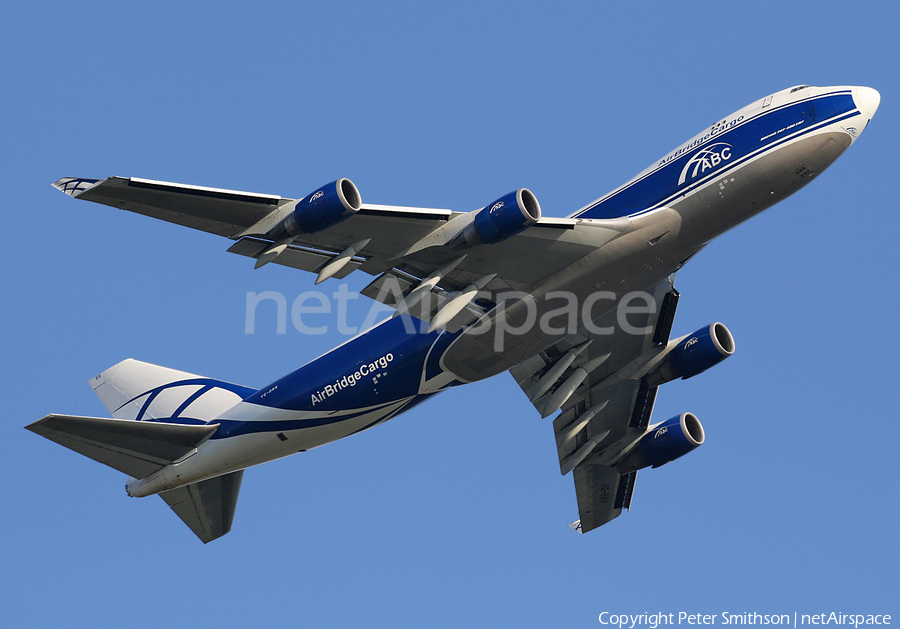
point(36, 426)
point(74, 186)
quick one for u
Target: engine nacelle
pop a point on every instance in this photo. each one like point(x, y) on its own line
point(504, 218)
point(664, 442)
point(695, 354)
point(327, 206)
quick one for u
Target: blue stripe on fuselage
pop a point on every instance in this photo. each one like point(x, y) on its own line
point(383, 365)
point(236, 427)
point(695, 167)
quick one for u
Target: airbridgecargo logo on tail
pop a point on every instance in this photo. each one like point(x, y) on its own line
point(705, 159)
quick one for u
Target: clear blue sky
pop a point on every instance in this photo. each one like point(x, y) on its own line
point(453, 515)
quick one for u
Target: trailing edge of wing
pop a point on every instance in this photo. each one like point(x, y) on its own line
point(602, 493)
point(297, 257)
point(207, 507)
point(133, 447)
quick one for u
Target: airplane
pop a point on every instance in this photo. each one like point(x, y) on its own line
point(579, 310)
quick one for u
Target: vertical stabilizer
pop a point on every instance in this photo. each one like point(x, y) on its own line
point(137, 390)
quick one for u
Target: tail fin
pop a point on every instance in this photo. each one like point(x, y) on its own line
point(180, 406)
point(138, 390)
point(141, 448)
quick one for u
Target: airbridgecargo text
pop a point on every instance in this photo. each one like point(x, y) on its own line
point(652, 621)
point(350, 380)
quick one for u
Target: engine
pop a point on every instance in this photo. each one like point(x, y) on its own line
point(695, 354)
point(327, 206)
point(505, 217)
point(664, 442)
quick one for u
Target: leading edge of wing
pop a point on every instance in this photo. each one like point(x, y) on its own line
point(75, 187)
point(215, 210)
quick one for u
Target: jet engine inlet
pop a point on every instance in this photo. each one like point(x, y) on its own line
point(327, 206)
point(502, 219)
point(665, 442)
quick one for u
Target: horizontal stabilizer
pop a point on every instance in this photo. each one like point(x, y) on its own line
point(135, 448)
point(207, 507)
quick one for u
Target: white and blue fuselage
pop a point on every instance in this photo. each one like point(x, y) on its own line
point(726, 174)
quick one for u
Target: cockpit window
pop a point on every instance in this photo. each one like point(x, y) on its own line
point(799, 87)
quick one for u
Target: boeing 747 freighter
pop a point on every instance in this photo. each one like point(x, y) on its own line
point(578, 309)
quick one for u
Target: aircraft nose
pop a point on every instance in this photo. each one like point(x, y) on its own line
point(866, 99)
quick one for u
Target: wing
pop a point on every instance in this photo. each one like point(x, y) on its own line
point(207, 507)
point(606, 406)
point(398, 245)
point(221, 212)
